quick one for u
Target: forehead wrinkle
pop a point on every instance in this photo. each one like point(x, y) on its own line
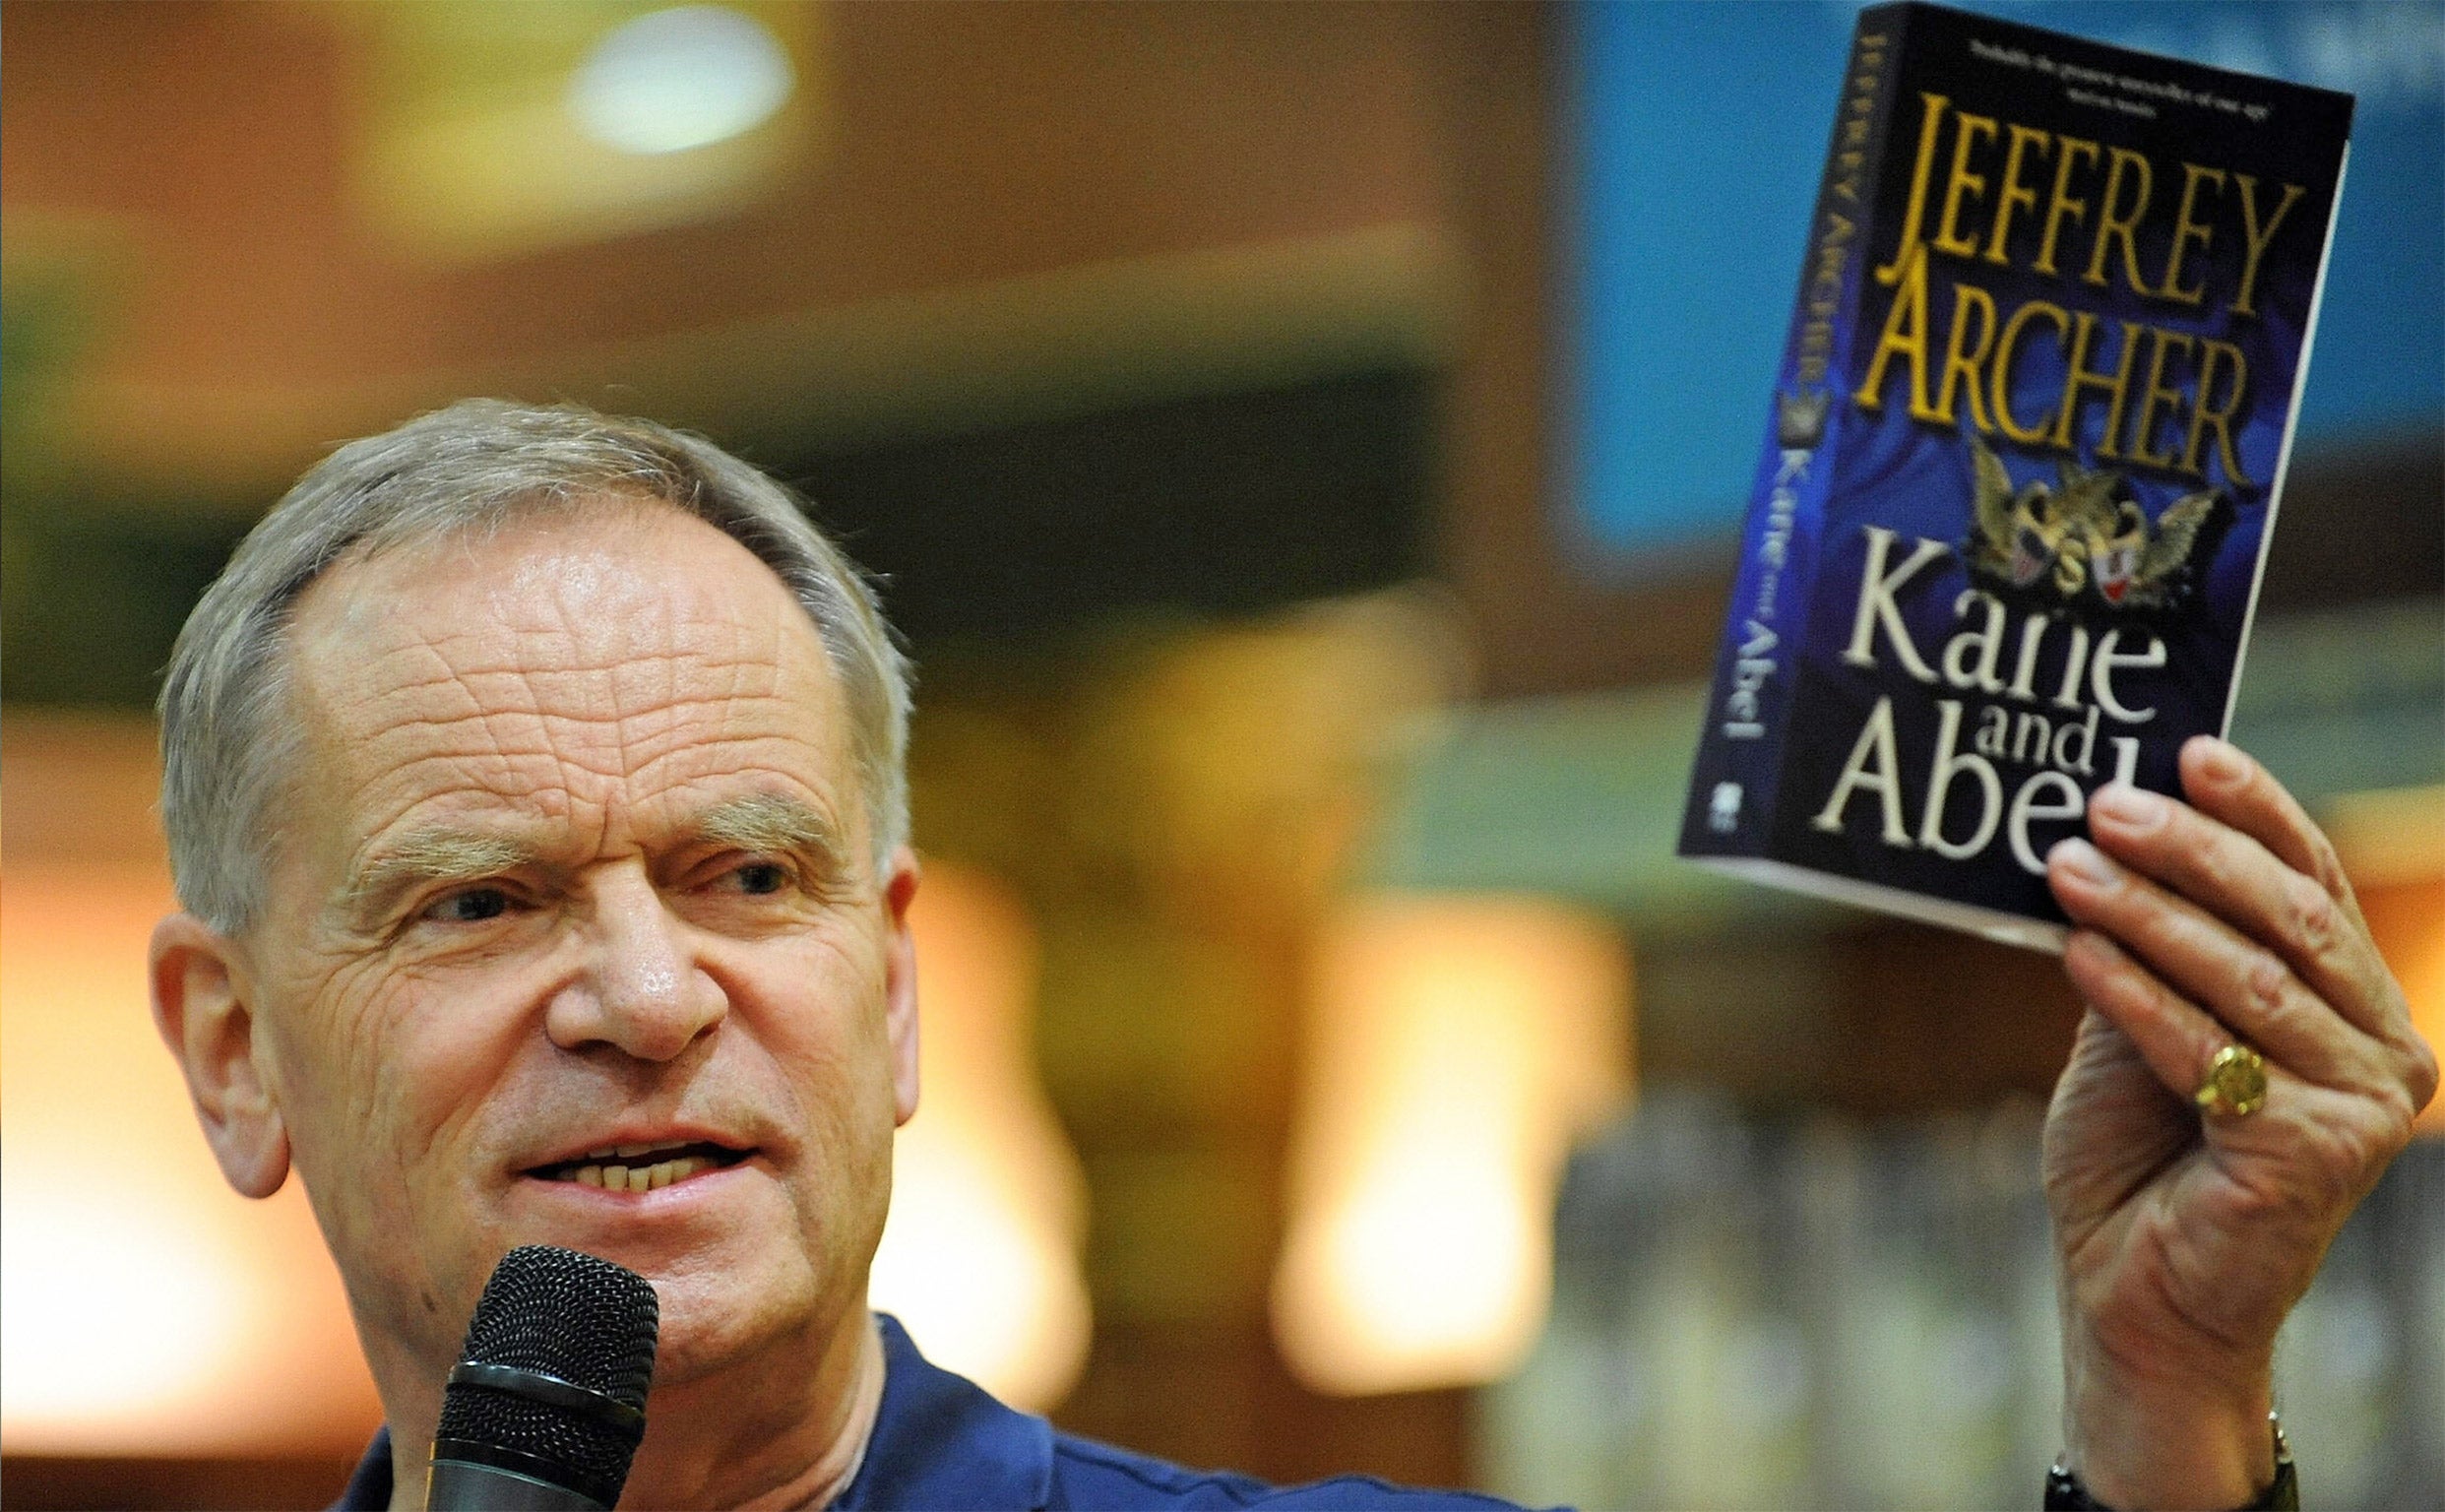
point(711, 664)
point(449, 697)
point(616, 688)
point(521, 716)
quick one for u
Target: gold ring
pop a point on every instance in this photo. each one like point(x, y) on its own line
point(2236, 1082)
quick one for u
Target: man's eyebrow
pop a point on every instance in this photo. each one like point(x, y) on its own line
point(422, 857)
point(772, 823)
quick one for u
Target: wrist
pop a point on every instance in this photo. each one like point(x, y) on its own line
point(2281, 1492)
point(2169, 1438)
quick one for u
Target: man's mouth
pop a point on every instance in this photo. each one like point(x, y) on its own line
point(638, 1168)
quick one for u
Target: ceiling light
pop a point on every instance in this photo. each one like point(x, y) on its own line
point(678, 79)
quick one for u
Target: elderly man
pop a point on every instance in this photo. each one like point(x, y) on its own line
point(534, 786)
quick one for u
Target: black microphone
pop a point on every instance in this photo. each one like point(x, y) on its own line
point(546, 1407)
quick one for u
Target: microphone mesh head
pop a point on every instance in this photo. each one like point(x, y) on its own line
point(575, 1316)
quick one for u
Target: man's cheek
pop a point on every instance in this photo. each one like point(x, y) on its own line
point(369, 1101)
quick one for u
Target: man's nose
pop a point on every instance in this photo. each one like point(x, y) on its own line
point(642, 989)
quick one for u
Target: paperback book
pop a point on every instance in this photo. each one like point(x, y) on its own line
point(2022, 464)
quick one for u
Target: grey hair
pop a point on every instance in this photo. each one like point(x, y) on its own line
point(227, 740)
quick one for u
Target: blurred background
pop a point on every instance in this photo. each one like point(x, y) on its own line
point(1304, 446)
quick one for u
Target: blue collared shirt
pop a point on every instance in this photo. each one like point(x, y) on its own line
point(942, 1444)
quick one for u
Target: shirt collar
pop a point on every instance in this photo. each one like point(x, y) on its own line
point(939, 1441)
point(369, 1484)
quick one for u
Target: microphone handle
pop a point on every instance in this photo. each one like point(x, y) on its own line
point(462, 1486)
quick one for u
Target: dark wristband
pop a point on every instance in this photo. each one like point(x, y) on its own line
point(2065, 1494)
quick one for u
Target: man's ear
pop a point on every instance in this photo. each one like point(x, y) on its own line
point(900, 982)
point(201, 1004)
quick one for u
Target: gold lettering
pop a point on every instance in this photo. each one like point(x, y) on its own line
point(1959, 365)
point(1965, 137)
point(2111, 226)
point(2186, 230)
point(2010, 191)
point(1999, 377)
point(2206, 412)
point(1930, 126)
point(2144, 424)
point(1905, 333)
point(2256, 237)
point(2062, 204)
point(2077, 375)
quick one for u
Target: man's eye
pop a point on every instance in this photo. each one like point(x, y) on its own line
point(471, 906)
point(759, 878)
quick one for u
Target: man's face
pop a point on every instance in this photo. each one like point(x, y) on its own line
point(576, 860)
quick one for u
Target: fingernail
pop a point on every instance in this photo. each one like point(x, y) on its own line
point(2133, 808)
point(2085, 862)
point(2221, 764)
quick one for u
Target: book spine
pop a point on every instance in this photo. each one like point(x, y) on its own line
point(1733, 781)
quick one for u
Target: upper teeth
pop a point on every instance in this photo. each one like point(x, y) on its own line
point(636, 1178)
point(620, 1152)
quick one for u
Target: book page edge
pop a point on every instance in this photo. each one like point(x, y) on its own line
point(1988, 924)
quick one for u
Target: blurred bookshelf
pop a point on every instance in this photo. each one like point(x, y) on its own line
point(1827, 1311)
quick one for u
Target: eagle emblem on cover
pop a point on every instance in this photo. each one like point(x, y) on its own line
point(2083, 532)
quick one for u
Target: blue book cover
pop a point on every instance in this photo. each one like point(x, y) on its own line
point(2021, 461)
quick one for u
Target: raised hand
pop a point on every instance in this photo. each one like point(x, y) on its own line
point(2185, 1233)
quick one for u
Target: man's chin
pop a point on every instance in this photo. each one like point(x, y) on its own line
point(720, 1321)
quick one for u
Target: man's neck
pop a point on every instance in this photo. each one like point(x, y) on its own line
point(728, 1441)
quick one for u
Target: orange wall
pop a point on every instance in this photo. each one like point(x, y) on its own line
point(151, 1311)
point(2409, 920)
